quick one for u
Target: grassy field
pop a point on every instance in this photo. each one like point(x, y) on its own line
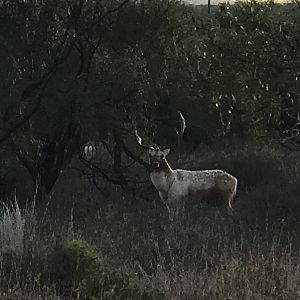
point(126, 249)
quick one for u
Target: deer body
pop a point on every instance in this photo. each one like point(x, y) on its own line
point(210, 186)
point(175, 186)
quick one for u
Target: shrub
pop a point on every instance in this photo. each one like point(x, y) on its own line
point(77, 267)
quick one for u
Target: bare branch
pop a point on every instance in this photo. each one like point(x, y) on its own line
point(134, 157)
point(92, 166)
point(25, 119)
point(109, 12)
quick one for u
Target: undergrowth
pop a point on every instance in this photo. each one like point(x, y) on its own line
point(129, 249)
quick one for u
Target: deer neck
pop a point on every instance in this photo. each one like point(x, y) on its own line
point(163, 177)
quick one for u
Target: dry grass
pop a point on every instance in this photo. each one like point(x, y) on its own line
point(215, 258)
point(12, 227)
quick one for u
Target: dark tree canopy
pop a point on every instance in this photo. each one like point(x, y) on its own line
point(78, 71)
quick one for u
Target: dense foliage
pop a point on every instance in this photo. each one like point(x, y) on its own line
point(79, 71)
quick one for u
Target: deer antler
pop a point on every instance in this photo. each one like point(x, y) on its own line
point(139, 140)
point(182, 124)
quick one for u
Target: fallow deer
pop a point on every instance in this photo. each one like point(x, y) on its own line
point(175, 186)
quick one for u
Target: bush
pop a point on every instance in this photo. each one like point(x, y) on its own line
point(77, 267)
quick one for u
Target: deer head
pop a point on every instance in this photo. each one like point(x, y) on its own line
point(157, 158)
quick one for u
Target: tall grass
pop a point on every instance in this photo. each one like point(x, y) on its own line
point(12, 228)
point(213, 258)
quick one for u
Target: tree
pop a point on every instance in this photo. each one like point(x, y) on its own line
point(49, 49)
point(253, 57)
point(82, 71)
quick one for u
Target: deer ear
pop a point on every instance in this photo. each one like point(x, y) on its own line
point(166, 152)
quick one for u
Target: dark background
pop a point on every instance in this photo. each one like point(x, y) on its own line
point(83, 73)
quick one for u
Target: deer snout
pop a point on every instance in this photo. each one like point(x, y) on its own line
point(155, 164)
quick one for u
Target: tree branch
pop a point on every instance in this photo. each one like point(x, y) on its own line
point(25, 119)
point(109, 12)
point(134, 157)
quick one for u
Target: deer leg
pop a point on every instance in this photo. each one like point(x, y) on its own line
point(165, 202)
point(230, 211)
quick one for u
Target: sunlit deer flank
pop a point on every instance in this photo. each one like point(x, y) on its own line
point(177, 187)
